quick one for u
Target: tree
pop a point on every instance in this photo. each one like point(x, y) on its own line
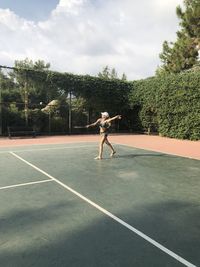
point(183, 53)
point(124, 78)
point(190, 19)
point(33, 79)
point(105, 74)
point(9, 89)
point(113, 74)
point(110, 74)
point(178, 56)
point(30, 79)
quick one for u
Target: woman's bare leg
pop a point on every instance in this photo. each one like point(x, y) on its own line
point(101, 147)
point(111, 147)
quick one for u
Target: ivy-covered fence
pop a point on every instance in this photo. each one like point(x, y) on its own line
point(169, 105)
point(97, 95)
point(80, 99)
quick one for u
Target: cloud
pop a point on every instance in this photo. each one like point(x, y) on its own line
point(68, 6)
point(82, 36)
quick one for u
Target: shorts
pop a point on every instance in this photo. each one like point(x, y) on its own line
point(105, 134)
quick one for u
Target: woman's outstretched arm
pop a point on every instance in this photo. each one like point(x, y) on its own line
point(93, 124)
point(114, 118)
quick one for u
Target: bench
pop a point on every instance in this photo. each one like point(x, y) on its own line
point(21, 131)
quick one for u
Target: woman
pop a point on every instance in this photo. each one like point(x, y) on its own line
point(104, 124)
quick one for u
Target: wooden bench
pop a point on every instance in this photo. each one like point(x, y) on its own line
point(21, 131)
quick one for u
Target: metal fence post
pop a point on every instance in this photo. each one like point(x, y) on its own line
point(1, 131)
point(70, 112)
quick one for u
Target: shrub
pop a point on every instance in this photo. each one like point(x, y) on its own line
point(170, 104)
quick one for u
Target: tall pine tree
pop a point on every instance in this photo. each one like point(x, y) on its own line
point(183, 54)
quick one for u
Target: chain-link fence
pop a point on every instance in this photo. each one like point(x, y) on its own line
point(50, 106)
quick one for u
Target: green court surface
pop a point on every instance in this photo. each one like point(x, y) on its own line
point(60, 207)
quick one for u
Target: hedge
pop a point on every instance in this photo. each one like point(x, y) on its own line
point(169, 105)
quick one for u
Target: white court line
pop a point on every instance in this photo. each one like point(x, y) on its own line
point(43, 149)
point(24, 184)
point(109, 214)
point(51, 144)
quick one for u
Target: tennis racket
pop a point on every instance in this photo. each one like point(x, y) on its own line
point(80, 127)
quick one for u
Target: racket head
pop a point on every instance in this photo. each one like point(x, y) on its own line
point(79, 127)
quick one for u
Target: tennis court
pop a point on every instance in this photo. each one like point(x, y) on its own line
point(60, 207)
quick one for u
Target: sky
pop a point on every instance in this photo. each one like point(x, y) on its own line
point(84, 36)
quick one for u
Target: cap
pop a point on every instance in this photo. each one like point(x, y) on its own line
point(105, 114)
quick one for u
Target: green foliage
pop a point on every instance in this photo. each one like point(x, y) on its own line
point(105, 74)
point(113, 74)
point(183, 53)
point(38, 120)
point(58, 125)
point(110, 74)
point(170, 104)
point(190, 18)
point(33, 80)
point(124, 78)
point(99, 94)
point(11, 115)
point(178, 56)
point(90, 95)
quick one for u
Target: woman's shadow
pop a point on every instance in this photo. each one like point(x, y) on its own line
point(129, 156)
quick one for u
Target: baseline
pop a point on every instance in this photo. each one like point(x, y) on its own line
point(45, 149)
